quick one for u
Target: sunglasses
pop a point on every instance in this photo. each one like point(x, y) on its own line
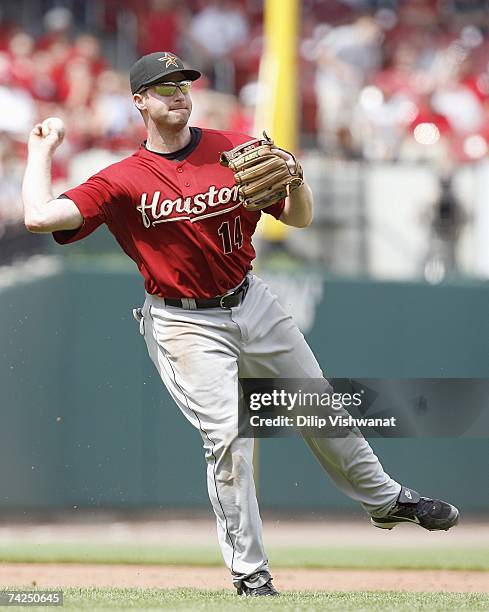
point(169, 88)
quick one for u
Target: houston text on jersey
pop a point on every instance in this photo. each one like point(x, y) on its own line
point(161, 211)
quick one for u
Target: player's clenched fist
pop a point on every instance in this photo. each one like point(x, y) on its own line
point(47, 135)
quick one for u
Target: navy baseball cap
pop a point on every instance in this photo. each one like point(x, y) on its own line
point(153, 67)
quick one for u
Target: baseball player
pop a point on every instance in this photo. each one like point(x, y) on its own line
point(206, 319)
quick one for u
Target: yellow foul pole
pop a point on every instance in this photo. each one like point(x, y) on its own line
point(277, 108)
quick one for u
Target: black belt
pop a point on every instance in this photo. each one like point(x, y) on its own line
point(229, 300)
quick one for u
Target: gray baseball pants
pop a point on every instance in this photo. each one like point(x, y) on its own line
point(199, 355)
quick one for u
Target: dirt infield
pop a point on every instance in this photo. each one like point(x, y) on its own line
point(194, 532)
point(82, 575)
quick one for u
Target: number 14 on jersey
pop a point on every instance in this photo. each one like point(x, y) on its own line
point(231, 237)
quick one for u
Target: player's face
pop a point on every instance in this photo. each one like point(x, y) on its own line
point(164, 108)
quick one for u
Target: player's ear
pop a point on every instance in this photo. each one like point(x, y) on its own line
point(139, 101)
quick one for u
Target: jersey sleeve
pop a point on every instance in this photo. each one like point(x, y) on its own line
point(276, 209)
point(91, 199)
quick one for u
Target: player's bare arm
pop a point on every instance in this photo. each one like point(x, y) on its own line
point(42, 212)
point(298, 205)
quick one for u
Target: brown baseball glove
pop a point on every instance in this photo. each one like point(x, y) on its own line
point(263, 176)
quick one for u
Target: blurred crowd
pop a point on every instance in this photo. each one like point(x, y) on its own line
point(404, 85)
point(380, 80)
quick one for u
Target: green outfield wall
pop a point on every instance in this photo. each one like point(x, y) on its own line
point(85, 421)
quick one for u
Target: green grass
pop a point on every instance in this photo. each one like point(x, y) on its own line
point(446, 557)
point(196, 599)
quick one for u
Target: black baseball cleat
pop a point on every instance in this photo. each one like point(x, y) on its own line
point(432, 514)
point(265, 588)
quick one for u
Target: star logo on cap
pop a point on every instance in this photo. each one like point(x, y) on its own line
point(170, 60)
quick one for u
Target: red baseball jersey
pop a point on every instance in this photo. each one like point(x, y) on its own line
point(176, 215)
